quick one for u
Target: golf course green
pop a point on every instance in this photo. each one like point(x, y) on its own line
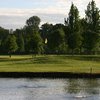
point(50, 63)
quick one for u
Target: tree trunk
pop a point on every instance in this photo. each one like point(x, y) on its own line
point(72, 51)
point(10, 55)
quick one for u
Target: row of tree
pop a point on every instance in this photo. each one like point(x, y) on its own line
point(76, 36)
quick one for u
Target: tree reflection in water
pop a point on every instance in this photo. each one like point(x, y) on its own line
point(82, 86)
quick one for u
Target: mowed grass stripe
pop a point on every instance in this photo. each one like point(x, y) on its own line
point(50, 63)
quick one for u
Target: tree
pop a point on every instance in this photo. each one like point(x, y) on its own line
point(20, 40)
point(73, 23)
point(36, 44)
point(46, 30)
point(92, 33)
point(3, 34)
point(11, 44)
point(90, 42)
point(55, 40)
point(32, 27)
point(58, 26)
point(33, 23)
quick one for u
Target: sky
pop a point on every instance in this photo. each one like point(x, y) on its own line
point(14, 13)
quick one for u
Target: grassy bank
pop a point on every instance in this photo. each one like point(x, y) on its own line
point(50, 63)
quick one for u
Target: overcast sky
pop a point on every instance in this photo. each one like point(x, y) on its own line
point(14, 13)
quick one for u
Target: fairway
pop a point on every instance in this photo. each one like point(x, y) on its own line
point(50, 63)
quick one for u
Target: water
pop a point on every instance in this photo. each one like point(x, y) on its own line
point(49, 89)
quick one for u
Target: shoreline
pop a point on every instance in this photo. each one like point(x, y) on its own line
point(48, 75)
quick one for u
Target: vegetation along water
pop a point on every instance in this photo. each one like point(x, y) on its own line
point(76, 36)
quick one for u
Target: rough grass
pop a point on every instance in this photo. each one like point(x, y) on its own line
point(50, 63)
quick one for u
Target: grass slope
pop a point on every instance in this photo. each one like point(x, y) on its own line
point(50, 63)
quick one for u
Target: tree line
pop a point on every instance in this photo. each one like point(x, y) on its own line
point(76, 36)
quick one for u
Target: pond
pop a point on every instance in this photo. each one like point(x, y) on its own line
point(49, 89)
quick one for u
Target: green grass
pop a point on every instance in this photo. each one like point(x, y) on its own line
point(50, 63)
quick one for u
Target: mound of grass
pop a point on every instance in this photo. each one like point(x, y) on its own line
point(50, 63)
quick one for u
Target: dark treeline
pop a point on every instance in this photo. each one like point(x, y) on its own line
point(76, 36)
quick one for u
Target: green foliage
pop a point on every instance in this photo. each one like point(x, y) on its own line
point(46, 30)
point(91, 42)
point(20, 42)
point(55, 39)
point(33, 23)
point(36, 44)
point(76, 36)
point(11, 44)
point(92, 32)
point(92, 16)
point(62, 49)
point(73, 23)
point(3, 35)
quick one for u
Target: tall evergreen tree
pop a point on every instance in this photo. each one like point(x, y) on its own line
point(92, 33)
point(73, 24)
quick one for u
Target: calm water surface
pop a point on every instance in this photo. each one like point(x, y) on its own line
point(49, 89)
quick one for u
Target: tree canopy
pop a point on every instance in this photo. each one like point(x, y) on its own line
point(76, 36)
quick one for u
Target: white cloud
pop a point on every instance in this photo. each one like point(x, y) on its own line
point(54, 13)
point(19, 16)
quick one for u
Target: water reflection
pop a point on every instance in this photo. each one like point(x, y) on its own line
point(87, 86)
point(49, 89)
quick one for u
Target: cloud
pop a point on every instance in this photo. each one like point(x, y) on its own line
point(52, 11)
point(16, 18)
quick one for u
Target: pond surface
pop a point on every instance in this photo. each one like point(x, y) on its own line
point(49, 89)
